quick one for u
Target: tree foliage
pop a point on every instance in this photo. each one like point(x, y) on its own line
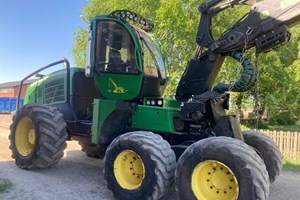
point(176, 24)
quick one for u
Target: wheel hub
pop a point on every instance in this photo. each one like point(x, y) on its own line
point(25, 136)
point(31, 137)
point(129, 170)
point(214, 180)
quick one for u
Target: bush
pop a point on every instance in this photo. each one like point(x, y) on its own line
point(251, 124)
point(283, 119)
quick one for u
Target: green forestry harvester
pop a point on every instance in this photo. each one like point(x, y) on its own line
point(115, 109)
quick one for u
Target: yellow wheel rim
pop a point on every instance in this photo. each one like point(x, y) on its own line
point(214, 180)
point(129, 170)
point(25, 137)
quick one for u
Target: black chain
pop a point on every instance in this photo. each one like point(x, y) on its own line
point(256, 98)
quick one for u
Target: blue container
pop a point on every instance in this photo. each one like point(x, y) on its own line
point(2, 104)
point(7, 105)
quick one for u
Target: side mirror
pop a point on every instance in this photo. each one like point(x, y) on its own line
point(88, 56)
point(38, 75)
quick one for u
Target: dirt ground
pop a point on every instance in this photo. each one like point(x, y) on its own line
point(78, 177)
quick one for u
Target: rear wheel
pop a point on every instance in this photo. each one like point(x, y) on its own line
point(268, 150)
point(221, 168)
point(38, 136)
point(139, 165)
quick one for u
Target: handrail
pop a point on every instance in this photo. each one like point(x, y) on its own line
point(66, 65)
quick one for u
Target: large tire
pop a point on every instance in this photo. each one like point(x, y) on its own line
point(92, 150)
point(221, 168)
point(38, 136)
point(268, 150)
point(139, 165)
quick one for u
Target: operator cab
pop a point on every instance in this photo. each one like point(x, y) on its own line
point(123, 59)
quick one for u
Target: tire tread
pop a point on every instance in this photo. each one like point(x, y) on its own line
point(52, 136)
point(160, 152)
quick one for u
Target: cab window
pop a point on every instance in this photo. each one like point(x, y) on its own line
point(115, 51)
point(149, 64)
point(153, 62)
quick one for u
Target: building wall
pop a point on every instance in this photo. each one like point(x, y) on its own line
point(6, 92)
point(16, 91)
point(13, 92)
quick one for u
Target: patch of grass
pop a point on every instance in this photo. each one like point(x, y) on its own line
point(5, 185)
point(293, 128)
point(291, 165)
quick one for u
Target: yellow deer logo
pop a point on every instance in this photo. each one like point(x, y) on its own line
point(117, 89)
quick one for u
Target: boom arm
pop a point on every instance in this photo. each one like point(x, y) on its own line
point(268, 21)
point(264, 27)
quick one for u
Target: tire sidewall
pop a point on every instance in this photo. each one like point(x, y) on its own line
point(25, 161)
point(50, 132)
point(267, 149)
point(200, 155)
point(147, 186)
point(190, 166)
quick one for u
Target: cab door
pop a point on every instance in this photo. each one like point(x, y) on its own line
point(117, 60)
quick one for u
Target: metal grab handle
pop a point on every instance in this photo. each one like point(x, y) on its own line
point(66, 65)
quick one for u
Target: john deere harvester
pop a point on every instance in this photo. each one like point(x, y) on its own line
point(115, 109)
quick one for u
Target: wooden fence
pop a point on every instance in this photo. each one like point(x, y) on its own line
point(288, 142)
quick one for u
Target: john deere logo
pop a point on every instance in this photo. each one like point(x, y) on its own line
point(116, 89)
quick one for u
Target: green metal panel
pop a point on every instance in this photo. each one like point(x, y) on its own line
point(155, 118)
point(172, 103)
point(119, 87)
point(102, 109)
point(30, 93)
point(35, 92)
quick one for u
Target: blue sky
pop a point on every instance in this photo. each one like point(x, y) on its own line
point(34, 33)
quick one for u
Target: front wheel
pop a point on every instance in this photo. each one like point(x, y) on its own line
point(38, 136)
point(139, 165)
point(221, 168)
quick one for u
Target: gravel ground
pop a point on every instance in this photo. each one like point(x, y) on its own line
point(78, 177)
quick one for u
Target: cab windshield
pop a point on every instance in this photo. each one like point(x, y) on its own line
point(115, 50)
point(153, 61)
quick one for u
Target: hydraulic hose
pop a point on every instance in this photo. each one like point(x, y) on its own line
point(248, 77)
